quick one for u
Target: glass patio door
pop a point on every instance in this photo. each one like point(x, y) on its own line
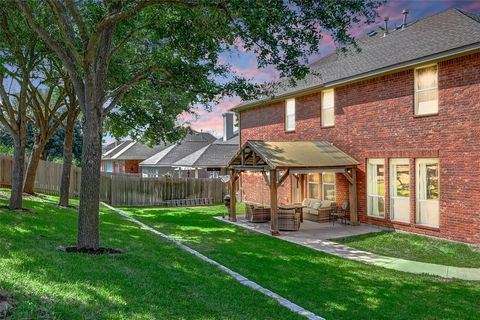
point(400, 190)
point(376, 188)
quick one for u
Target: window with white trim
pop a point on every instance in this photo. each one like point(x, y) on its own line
point(400, 189)
point(328, 107)
point(290, 114)
point(108, 166)
point(376, 187)
point(428, 192)
point(313, 186)
point(328, 186)
point(426, 90)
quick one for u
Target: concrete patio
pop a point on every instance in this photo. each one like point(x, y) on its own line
point(311, 231)
point(318, 235)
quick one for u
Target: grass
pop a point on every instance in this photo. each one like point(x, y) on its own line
point(329, 286)
point(417, 248)
point(153, 279)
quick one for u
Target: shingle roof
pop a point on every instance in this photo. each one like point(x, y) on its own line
point(297, 154)
point(444, 34)
point(131, 150)
point(189, 145)
point(214, 155)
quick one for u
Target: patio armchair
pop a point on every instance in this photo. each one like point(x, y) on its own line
point(288, 219)
point(254, 213)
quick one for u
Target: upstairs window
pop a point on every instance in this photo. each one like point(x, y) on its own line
point(290, 114)
point(426, 90)
point(328, 118)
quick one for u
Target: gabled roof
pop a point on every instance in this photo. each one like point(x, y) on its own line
point(445, 34)
point(291, 155)
point(131, 150)
point(215, 155)
point(167, 157)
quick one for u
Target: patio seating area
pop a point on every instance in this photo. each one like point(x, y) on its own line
point(309, 231)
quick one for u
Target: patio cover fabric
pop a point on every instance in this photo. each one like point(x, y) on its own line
point(290, 155)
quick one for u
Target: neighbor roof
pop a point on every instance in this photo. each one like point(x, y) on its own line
point(296, 154)
point(172, 154)
point(215, 155)
point(439, 36)
point(131, 150)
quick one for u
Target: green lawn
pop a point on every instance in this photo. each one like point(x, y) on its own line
point(329, 286)
point(415, 247)
point(153, 279)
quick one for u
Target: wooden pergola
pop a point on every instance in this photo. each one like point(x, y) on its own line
point(291, 158)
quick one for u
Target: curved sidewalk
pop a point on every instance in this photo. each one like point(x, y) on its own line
point(339, 250)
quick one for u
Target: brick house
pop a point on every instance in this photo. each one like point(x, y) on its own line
point(407, 108)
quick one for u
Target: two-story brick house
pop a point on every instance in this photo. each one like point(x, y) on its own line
point(407, 108)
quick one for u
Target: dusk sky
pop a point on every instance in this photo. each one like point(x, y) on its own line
point(245, 63)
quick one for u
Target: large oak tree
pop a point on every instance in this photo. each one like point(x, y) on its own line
point(174, 44)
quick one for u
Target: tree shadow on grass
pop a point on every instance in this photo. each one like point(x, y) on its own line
point(332, 287)
point(152, 280)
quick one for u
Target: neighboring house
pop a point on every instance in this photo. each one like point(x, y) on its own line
point(125, 156)
point(406, 108)
point(162, 163)
point(211, 161)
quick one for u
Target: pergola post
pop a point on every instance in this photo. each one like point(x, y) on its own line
point(352, 190)
point(273, 203)
point(233, 195)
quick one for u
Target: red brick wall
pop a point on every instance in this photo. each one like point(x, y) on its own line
point(375, 118)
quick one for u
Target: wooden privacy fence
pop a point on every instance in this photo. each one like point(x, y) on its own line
point(125, 190)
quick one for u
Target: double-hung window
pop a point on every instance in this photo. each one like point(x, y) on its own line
point(328, 107)
point(400, 189)
point(376, 187)
point(426, 90)
point(290, 114)
point(328, 186)
point(428, 191)
point(313, 184)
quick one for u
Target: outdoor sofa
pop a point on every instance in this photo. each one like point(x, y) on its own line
point(318, 210)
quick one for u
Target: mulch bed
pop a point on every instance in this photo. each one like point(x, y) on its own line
point(23, 210)
point(7, 304)
point(99, 251)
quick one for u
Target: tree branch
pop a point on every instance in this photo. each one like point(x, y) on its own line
point(119, 92)
point(78, 21)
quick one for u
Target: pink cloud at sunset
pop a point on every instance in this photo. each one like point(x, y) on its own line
point(244, 63)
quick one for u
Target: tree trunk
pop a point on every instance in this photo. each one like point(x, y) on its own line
point(18, 173)
point(88, 218)
point(33, 166)
point(67, 161)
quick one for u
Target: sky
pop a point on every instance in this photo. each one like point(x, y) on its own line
point(244, 63)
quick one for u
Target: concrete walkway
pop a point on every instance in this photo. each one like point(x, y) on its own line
point(315, 237)
point(238, 277)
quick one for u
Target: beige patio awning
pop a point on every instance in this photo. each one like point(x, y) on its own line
point(267, 155)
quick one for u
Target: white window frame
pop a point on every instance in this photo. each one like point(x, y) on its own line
point(107, 163)
point(327, 109)
point(375, 162)
point(319, 184)
point(416, 111)
point(330, 184)
point(290, 115)
point(418, 192)
point(393, 189)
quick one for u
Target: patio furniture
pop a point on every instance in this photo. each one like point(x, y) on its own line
point(318, 210)
point(254, 213)
point(343, 213)
point(297, 206)
point(288, 219)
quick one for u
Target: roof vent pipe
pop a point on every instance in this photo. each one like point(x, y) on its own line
point(385, 29)
point(405, 13)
